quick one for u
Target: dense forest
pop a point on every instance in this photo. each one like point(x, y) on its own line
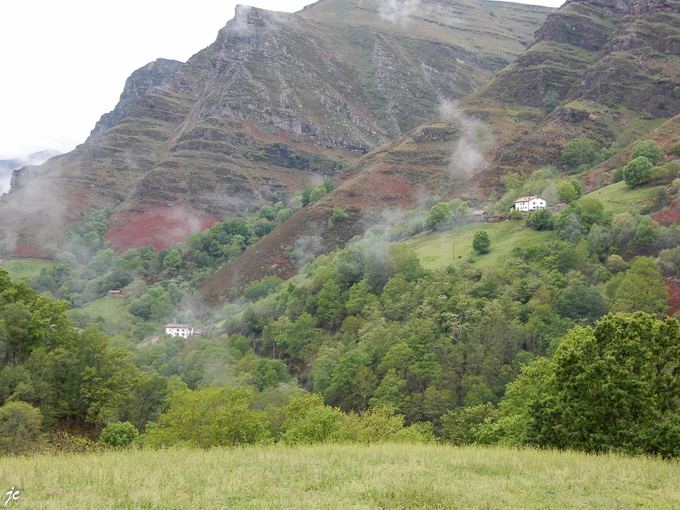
point(565, 343)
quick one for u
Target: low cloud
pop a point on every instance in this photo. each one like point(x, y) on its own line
point(466, 157)
point(398, 11)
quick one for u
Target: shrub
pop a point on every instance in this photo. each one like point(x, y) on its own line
point(581, 151)
point(19, 427)
point(540, 220)
point(648, 149)
point(636, 172)
point(481, 242)
point(119, 435)
point(675, 149)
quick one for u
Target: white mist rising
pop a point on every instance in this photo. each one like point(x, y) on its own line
point(466, 156)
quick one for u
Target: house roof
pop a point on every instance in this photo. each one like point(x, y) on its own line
point(479, 212)
point(526, 199)
point(187, 326)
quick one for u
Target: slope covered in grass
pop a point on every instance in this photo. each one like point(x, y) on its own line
point(387, 476)
point(443, 249)
point(25, 268)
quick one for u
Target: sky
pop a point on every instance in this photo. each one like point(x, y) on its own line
point(64, 63)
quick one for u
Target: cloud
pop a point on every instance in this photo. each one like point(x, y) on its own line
point(466, 156)
point(398, 11)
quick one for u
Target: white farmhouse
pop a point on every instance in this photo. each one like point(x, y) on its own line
point(526, 204)
point(183, 330)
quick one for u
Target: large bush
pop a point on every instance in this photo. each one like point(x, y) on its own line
point(636, 172)
point(119, 435)
point(648, 149)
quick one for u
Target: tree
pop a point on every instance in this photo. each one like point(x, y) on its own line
point(581, 151)
point(19, 426)
point(437, 216)
point(172, 261)
point(636, 172)
point(209, 417)
point(642, 288)
point(648, 149)
point(540, 220)
point(615, 387)
point(481, 242)
point(119, 435)
point(566, 192)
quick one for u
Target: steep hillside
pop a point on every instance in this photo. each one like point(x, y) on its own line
point(276, 101)
point(601, 69)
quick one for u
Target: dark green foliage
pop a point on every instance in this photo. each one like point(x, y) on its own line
point(566, 192)
point(648, 149)
point(481, 242)
point(264, 287)
point(675, 149)
point(207, 418)
point(19, 427)
point(540, 220)
point(581, 151)
point(636, 172)
point(580, 302)
point(551, 100)
point(119, 435)
point(459, 426)
point(613, 388)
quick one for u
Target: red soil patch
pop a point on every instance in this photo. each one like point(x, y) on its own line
point(28, 251)
point(674, 300)
point(670, 215)
point(160, 227)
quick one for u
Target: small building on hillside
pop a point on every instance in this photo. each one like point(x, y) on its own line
point(116, 293)
point(183, 330)
point(559, 207)
point(527, 204)
point(480, 215)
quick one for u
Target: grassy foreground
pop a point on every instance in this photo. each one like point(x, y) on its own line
point(342, 477)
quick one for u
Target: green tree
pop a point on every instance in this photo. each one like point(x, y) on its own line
point(172, 261)
point(540, 220)
point(481, 242)
point(119, 435)
point(636, 172)
point(437, 216)
point(209, 417)
point(613, 388)
point(581, 151)
point(642, 288)
point(566, 192)
point(19, 427)
point(648, 149)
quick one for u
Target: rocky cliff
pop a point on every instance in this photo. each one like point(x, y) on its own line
point(277, 101)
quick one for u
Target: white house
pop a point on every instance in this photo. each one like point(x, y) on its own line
point(183, 330)
point(527, 204)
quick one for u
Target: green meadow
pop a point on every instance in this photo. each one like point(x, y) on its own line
point(617, 198)
point(443, 249)
point(109, 308)
point(25, 268)
point(383, 476)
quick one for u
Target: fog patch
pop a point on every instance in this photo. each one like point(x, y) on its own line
point(398, 11)
point(466, 157)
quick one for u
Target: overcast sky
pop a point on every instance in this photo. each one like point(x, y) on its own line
point(64, 63)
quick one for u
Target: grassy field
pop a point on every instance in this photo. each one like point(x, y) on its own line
point(618, 198)
point(25, 268)
point(439, 250)
point(108, 307)
point(342, 477)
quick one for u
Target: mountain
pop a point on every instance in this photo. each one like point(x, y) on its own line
point(278, 101)
point(7, 166)
point(140, 83)
point(601, 69)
